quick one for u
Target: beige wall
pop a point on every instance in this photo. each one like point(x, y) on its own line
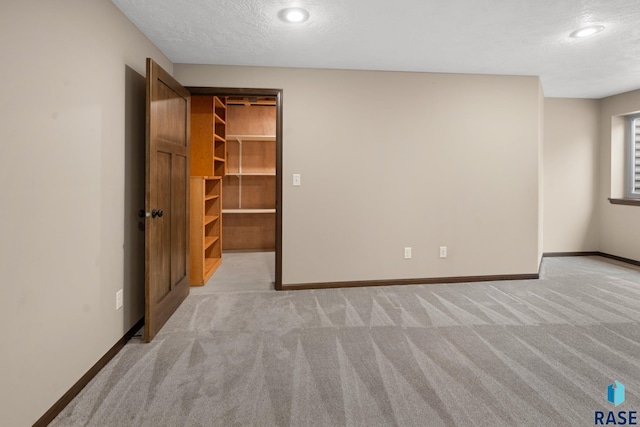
point(618, 225)
point(390, 160)
point(72, 111)
point(571, 148)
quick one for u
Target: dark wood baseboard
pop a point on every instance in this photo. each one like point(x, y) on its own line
point(82, 382)
point(460, 279)
point(564, 254)
point(424, 281)
point(596, 253)
point(621, 259)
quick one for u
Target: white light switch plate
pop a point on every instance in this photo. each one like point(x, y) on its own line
point(297, 180)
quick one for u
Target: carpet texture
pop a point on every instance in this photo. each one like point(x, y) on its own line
point(529, 353)
point(242, 271)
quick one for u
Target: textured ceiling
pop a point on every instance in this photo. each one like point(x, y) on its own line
point(513, 37)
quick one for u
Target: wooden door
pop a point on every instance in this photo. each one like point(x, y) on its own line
point(166, 199)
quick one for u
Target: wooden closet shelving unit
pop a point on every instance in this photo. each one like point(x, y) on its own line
point(208, 167)
point(249, 204)
point(264, 170)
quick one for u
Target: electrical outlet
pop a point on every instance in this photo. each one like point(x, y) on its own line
point(407, 253)
point(119, 299)
point(443, 251)
point(297, 180)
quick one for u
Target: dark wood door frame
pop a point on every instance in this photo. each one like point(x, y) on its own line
point(277, 94)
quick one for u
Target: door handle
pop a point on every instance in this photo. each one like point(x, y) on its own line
point(154, 213)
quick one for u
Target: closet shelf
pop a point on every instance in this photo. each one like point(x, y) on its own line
point(251, 173)
point(210, 264)
point(218, 119)
point(239, 138)
point(210, 240)
point(208, 219)
point(217, 102)
point(248, 211)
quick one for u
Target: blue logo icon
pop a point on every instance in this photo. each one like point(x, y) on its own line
point(615, 393)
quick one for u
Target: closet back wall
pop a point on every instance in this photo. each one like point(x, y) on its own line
point(390, 160)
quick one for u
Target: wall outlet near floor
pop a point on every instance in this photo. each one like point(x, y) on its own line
point(407, 253)
point(443, 251)
point(119, 299)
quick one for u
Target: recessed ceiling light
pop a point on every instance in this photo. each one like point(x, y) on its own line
point(293, 15)
point(587, 31)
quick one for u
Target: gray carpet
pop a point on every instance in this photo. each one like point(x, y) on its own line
point(530, 353)
point(242, 271)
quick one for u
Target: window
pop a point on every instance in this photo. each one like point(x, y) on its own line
point(632, 170)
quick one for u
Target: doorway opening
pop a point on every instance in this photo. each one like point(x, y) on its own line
point(247, 199)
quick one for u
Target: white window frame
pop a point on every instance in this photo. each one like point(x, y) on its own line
point(632, 169)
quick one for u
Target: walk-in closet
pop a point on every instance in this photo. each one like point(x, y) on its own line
point(233, 190)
